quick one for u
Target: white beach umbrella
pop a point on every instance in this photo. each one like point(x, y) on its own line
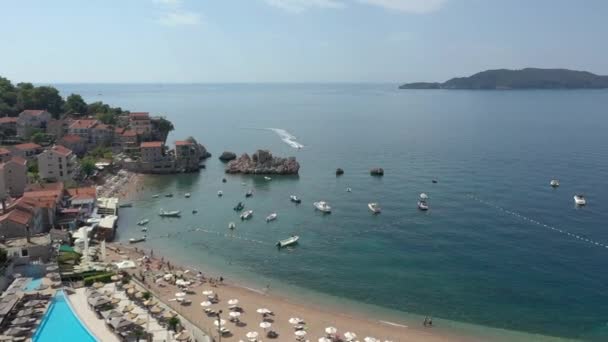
point(206, 303)
point(295, 320)
point(263, 311)
point(168, 276)
point(234, 314)
point(219, 323)
point(324, 339)
point(180, 294)
point(300, 333)
point(424, 196)
point(370, 339)
point(252, 335)
point(331, 330)
point(207, 293)
point(265, 325)
point(233, 301)
point(349, 335)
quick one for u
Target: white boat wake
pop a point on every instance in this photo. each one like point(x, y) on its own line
point(287, 137)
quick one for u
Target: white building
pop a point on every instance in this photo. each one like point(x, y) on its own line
point(57, 163)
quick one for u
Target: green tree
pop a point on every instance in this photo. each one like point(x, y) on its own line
point(75, 104)
point(38, 137)
point(173, 323)
point(107, 118)
point(3, 256)
point(147, 295)
point(30, 97)
point(164, 125)
point(87, 165)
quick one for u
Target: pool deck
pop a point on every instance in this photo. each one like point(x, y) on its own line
point(87, 316)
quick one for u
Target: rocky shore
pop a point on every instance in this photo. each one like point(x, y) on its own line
point(262, 162)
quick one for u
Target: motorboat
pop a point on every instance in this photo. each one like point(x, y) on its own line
point(240, 206)
point(349, 190)
point(220, 193)
point(295, 199)
point(187, 195)
point(156, 196)
point(579, 199)
point(247, 215)
point(144, 229)
point(125, 205)
point(231, 225)
point(288, 242)
point(374, 207)
point(422, 202)
point(267, 178)
point(434, 181)
point(169, 195)
point(224, 180)
point(143, 222)
point(136, 240)
point(322, 206)
point(194, 211)
point(249, 193)
point(271, 217)
point(554, 183)
point(170, 213)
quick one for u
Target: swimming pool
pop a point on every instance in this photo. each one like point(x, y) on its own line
point(61, 324)
point(33, 284)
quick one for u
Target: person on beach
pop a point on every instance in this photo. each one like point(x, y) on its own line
point(426, 321)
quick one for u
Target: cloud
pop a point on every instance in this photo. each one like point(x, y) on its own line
point(408, 6)
point(179, 18)
point(298, 6)
point(173, 14)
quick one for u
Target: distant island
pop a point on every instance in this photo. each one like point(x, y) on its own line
point(528, 78)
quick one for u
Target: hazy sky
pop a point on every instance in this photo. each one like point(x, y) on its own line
point(295, 40)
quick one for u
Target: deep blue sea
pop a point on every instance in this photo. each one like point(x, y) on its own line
point(499, 247)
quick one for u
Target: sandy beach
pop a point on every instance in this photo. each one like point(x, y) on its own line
point(317, 318)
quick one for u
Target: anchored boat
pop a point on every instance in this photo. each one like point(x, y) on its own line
point(267, 178)
point(247, 215)
point(249, 193)
point(288, 242)
point(374, 207)
point(239, 206)
point(271, 217)
point(187, 195)
point(220, 193)
point(143, 222)
point(322, 206)
point(422, 202)
point(554, 183)
point(171, 213)
point(231, 225)
point(295, 199)
point(580, 200)
point(136, 240)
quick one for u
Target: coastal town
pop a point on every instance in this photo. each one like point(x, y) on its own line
point(64, 179)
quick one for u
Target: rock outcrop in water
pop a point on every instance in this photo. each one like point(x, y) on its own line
point(377, 171)
point(227, 156)
point(262, 162)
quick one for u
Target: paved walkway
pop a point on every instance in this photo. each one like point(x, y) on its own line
point(87, 316)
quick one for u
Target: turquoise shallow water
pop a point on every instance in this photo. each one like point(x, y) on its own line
point(498, 248)
point(61, 324)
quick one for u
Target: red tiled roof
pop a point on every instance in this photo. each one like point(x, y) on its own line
point(8, 119)
point(83, 124)
point(4, 151)
point(151, 144)
point(42, 198)
point(139, 116)
point(18, 215)
point(19, 160)
point(119, 130)
point(101, 126)
point(71, 138)
point(27, 146)
point(35, 112)
point(183, 143)
point(129, 133)
point(82, 193)
point(62, 150)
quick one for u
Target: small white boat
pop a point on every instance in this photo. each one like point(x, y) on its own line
point(144, 229)
point(267, 178)
point(422, 205)
point(246, 215)
point(220, 193)
point(136, 240)
point(288, 242)
point(322, 206)
point(374, 207)
point(171, 213)
point(231, 225)
point(156, 196)
point(143, 222)
point(125, 205)
point(271, 217)
point(295, 199)
point(187, 195)
point(349, 189)
point(554, 183)
point(580, 199)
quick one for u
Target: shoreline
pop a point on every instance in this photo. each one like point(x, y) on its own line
point(317, 316)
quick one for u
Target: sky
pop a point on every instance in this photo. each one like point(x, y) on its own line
point(192, 41)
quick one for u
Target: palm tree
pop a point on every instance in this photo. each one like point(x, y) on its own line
point(173, 323)
point(138, 333)
point(147, 295)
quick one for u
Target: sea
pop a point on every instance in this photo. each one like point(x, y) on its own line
point(500, 254)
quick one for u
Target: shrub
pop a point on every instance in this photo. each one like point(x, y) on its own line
point(104, 278)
